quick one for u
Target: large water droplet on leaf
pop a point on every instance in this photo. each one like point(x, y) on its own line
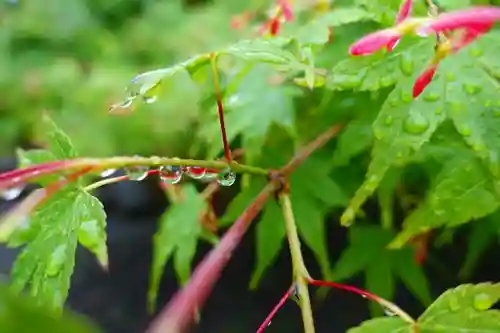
point(137, 173)
point(406, 97)
point(450, 77)
point(149, 99)
point(348, 82)
point(476, 52)
point(431, 97)
point(11, 193)
point(472, 89)
point(388, 312)
point(406, 64)
point(196, 172)
point(483, 302)
point(416, 124)
point(393, 102)
point(465, 130)
point(453, 304)
point(226, 178)
point(88, 234)
point(388, 120)
point(170, 174)
point(439, 110)
point(56, 261)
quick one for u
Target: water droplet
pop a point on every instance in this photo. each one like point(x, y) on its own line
point(349, 82)
point(454, 304)
point(389, 312)
point(477, 52)
point(226, 178)
point(11, 193)
point(393, 102)
point(386, 81)
point(379, 134)
point(149, 99)
point(439, 110)
point(269, 323)
point(57, 260)
point(472, 89)
point(406, 64)
point(406, 97)
point(388, 120)
point(478, 147)
point(416, 124)
point(483, 302)
point(431, 97)
point(171, 174)
point(465, 131)
point(196, 172)
point(137, 173)
point(450, 77)
point(107, 173)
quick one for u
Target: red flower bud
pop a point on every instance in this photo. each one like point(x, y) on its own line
point(374, 42)
point(423, 80)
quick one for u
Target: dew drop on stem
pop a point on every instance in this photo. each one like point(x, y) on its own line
point(226, 178)
point(137, 173)
point(11, 193)
point(196, 172)
point(170, 174)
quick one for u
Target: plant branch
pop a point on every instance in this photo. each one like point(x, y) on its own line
point(300, 274)
point(23, 175)
point(275, 310)
point(220, 108)
point(310, 148)
point(383, 302)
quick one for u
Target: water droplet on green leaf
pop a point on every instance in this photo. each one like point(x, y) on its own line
point(56, 261)
point(388, 120)
point(454, 304)
point(472, 89)
point(406, 64)
point(450, 77)
point(439, 110)
point(379, 134)
point(393, 102)
point(149, 99)
point(483, 302)
point(431, 97)
point(89, 234)
point(348, 82)
point(477, 52)
point(416, 124)
point(386, 81)
point(406, 97)
point(226, 178)
point(465, 131)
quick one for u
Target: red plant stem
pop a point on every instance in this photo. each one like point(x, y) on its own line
point(310, 148)
point(19, 176)
point(180, 311)
point(366, 294)
point(220, 108)
point(275, 310)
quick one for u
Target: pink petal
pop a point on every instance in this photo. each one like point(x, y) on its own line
point(392, 44)
point(470, 35)
point(286, 9)
point(404, 11)
point(471, 18)
point(373, 42)
point(423, 80)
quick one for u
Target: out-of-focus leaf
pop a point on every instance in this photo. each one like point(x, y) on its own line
point(178, 236)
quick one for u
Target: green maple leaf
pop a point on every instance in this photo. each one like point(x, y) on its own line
point(252, 110)
point(19, 315)
point(53, 230)
point(404, 125)
point(463, 309)
point(367, 253)
point(313, 194)
point(178, 236)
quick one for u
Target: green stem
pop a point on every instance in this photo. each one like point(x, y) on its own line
point(301, 276)
point(155, 161)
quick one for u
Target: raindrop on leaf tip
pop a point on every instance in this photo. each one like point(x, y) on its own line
point(226, 178)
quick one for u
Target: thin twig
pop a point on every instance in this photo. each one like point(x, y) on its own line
point(310, 148)
point(23, 175)
point(300, 274)
point(220, 108)
point(275, 310)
